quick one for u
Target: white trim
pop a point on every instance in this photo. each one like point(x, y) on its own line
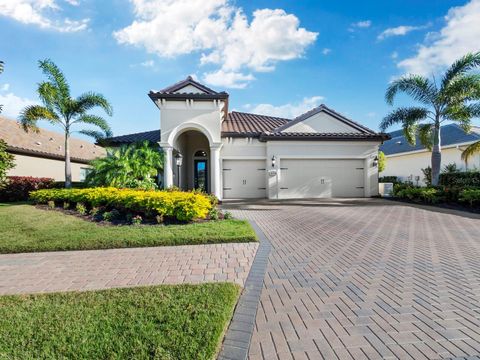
point(187, 126)
point(242, 157)
point(323, 157)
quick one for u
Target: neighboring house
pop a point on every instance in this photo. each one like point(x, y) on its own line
point(407, 161)
point(239, 155)
point(42, 154)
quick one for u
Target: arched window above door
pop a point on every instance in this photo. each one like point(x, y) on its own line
point(201, 153)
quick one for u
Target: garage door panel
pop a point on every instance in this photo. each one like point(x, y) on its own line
point(315, 178)
point(244, 179)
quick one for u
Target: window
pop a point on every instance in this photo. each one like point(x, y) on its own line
point(83, 173)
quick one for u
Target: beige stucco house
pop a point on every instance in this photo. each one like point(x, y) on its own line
point(42, 154)
point(407, 161)
point(239, 155)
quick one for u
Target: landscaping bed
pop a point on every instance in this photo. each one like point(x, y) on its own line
point(24, 228)
point(160, 322)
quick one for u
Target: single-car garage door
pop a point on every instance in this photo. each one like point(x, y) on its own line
point(315, 178)
point(244, 179)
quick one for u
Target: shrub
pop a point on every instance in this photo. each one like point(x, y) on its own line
point(7, 162)
point(179, 205)
point(213, 214)
point(17, 188)
point(472, 196)
point(228, 215)
point(66, 205)
point(81, 209)
point(419, 194)
point(136, 220)
point(112, 215)
point(460, 179)
point(427, 175)
point(388, 179)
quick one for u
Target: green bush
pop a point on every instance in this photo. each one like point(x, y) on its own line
point(419, 194)
point(179, 205)
point(388, 179)
point(460, 179)
point(471, 196)
point(81, 209)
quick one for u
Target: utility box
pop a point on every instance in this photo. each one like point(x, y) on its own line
point(385, 189)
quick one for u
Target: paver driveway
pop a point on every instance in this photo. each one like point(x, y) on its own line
point(367, 279)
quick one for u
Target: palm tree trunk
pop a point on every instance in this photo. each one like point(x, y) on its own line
point(68, 169)
point(436, 154)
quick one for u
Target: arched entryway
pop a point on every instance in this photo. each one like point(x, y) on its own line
point(194, 172)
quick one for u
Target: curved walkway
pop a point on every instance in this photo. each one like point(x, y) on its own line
point(366, 279)
point(101, 269)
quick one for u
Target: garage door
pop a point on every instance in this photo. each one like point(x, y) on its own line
point(244, 179)
point(314, 178)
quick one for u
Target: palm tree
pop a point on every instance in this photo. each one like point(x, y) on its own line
point(452, 100)
point(132, 166)
point(59, 108)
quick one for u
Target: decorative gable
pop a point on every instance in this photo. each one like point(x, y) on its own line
point(323, 120)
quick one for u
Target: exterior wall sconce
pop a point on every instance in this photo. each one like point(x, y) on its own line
point(274, 160)
point(375, 161)
point(179, 159)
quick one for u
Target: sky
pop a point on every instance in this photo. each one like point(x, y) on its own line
point(278, 58)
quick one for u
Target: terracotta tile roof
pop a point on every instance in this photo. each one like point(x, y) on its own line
point(48, 144)
point(323, 136)
point(239, 123)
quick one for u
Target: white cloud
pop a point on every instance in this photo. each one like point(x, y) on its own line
point(40, 13)
point(459, 36)
point(5, 87)
point(229, 79)
point(288, 111)
point(148, 63)
point(398, 31)
point(363, 24)
point(220, 32)
point(394, 55)
point(12, 104)
point(326, 51)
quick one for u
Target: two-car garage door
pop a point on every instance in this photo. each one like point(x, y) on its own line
point(297, 178)
point(319, 178)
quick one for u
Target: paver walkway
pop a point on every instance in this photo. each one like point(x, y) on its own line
point(100, 269)
point(367, 279)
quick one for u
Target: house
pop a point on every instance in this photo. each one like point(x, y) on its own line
point(406, 161)
point(237, 155)
point(42, 154)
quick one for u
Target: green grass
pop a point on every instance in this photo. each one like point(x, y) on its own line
point(161, 322)
point(24, 228)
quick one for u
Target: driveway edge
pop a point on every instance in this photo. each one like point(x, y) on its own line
point(239, 334)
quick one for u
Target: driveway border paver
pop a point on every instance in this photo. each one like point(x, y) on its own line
point(236, 343)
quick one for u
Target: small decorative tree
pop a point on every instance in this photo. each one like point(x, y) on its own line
point(7, 162)
point(382, 161)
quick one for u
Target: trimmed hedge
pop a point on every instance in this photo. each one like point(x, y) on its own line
point(460, 179)
point(18, 188)
point(182, 206)
point(471, 196)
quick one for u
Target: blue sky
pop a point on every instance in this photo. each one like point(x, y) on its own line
point(274, 57)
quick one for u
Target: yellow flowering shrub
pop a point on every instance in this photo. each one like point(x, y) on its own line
point(181, 205)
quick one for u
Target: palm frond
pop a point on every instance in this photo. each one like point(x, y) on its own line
point(90, 100)
point(425, 135)
point(95, 120)
point(32, 114)
point(462, 114)
point(2, 64)
point(460, 67)
point(48, 94)
point(418, 87)
point(55, 75)
point(471, 150)
point(97, 135)
point(402, 116)
point(462, 88)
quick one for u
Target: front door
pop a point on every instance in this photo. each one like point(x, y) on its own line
point(201, 175)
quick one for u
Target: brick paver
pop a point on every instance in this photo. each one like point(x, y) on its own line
point(367, 279)
point(100, 269)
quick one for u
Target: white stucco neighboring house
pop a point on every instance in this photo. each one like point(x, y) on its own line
point(406, 161)
point(237, 155)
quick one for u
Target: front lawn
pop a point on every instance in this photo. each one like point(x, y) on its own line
point(161, 322)
point(24, 228)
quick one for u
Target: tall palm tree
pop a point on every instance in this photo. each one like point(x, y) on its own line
point(59, 108)
point(451, 100)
